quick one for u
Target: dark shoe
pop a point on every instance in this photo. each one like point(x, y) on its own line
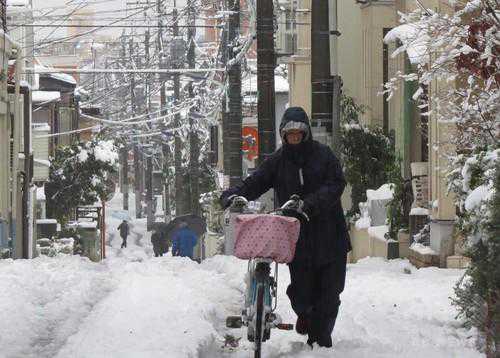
point(302, 325)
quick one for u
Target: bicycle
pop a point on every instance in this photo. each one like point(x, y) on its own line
point(261, 293)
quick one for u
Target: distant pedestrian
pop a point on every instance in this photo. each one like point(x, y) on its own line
point(124, 231)
point(156, 240)
point(183, 241)
point(164, 243)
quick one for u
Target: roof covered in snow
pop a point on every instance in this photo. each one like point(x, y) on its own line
point(45, 96)
point(63, 77)
point(249, 84)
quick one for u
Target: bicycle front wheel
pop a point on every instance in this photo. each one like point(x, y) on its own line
point(259, 321)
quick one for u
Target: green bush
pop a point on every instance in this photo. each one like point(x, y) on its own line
point(367, 154)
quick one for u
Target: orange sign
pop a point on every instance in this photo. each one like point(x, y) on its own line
point(250, 145)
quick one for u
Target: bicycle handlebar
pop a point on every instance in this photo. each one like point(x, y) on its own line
point(291, 204)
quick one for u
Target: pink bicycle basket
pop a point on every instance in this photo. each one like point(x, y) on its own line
point(266, 236)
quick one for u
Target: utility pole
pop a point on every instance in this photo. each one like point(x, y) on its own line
point(266, 62)
point(194, 145)
point(149, 190)
point(163, 103)
point(147, 86)
point(137, 160)
point(179, 185)
point(232, 119)
point(149, 165)
point(337, 81)
point(322, 81)
point(124, 165)
point(137, 181)
point(124, 150)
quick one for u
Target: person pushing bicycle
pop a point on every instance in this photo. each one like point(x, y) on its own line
point(309, 169)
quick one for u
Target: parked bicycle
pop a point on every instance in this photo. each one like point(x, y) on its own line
point(264, 239)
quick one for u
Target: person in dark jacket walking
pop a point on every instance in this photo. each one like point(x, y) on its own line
point(309, 169)
point(156, 240)
point(124, 231)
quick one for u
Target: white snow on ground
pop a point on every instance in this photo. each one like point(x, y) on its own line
point(135, 305)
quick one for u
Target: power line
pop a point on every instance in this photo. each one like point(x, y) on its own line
point(110, 26)
point(122, 70)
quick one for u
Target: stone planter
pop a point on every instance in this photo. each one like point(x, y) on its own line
point(457, 262)
point(360, 243)
point(423, 259)
point(380, 245)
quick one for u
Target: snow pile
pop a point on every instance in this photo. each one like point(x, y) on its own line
point(422, 249)
point(363, 223)
point(385, 192)
point(67, 306)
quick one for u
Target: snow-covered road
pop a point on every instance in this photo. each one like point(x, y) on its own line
point(135, 305)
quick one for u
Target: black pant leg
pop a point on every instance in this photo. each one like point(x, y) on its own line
point(329, 284)
point(300, 289)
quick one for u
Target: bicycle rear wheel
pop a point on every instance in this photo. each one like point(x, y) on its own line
point(259, 331)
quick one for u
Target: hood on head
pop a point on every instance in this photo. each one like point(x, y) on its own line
point(295, 118)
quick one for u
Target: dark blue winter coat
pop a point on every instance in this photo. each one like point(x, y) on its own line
point(183, 242)
point(325, 238)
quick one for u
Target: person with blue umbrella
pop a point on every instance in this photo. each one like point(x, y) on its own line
point(183, 241)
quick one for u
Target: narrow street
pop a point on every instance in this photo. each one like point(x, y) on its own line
point(135, 305)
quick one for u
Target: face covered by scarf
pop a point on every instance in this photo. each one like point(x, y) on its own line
point(295, 118)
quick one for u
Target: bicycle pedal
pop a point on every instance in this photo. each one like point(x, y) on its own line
point(285, 326)
point(234, 322)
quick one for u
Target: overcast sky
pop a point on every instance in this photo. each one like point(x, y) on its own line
point(105, 11)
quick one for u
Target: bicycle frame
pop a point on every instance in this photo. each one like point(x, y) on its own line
point(258, 276)
point(258, 313)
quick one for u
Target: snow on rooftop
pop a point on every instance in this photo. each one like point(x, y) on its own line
point(87, 224)
point(42, 162)
point(249, 84)
point(46, 221)
point(45, 96)
point(17, 2)
point(63, 77)
point(40, 127)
